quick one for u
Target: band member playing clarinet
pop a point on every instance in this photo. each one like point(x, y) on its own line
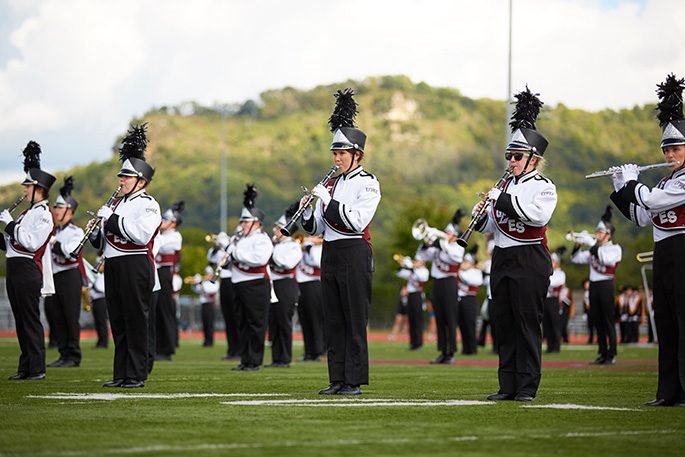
point(127, 234)
point(29, 267)
point(521, 264)
point(342, 215)
point(663, 207)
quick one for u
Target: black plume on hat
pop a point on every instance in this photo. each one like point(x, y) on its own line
point(67, 187)
point(134, 144)
point(670, 92)
point(178, 206)
point(292, 209)
point(608, 212)
point(527, 110)
point(31, 156)
point(605, 224)
point(458, 215)
point(249, 196)
point(345, 110)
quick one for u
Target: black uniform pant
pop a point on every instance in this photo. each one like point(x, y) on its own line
point(603, 314)
point(166, 313)
point(231, 315)
point(152, 330)
point(66, 305)
point(310, 312)
point(551, 325)
point(281, 320)
point(519, 281)
point(563, 322)
point(669, 316)
point(445, 309)
point(51, 311)
point(467, 314)
point(489, 322)
point(99, 307)
point(208, 317)
point(346, 270)
point(415, 318)
point(252, 299)
point(24, 281)
point(128, 289)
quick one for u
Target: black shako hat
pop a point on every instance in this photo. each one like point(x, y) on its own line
point(64, 199)
point(345, 134)
point(34, 175)
point(605, 225)
point(174, 213)
point(453, 226)
point(524, 135)
point(670, 111)
point(250, 212)
point(132, 154)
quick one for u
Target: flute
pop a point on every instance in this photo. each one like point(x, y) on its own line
point(610, 172)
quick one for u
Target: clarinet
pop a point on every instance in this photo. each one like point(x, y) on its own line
point(92, 225)
point(287, 230)
point(14, 205)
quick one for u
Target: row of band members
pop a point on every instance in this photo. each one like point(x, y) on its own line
point(517, 210)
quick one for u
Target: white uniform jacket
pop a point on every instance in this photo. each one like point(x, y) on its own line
point(446, 260)
point(469, 282)
point(603, 265)
point(663, 206)
point(207, 291)
point(170, 244)
point(309, 269)
point(522, 211)
point(65, 241)
point(416, 278)
point(284, 259)
point(556, 282)
point(250, 257)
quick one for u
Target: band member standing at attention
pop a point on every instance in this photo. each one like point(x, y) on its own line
point(98, 303)
point(603, 258)
point(284, 260)
point(29, 267)
point(663, 207)
point(310, 306)
point(446, 256)
point(416, 274)
point(215, 256)
point(521, 264)
point(344, 210)
point(170, 244)
point(551, 323)
point(126, 234)
point(207, 289)
point(68, 275)
point(250, 254)
point(568, 311)
point(468, 285)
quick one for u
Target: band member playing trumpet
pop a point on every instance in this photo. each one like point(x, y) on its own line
point(343, 213)
point(29, 267)
point(521, 264)
point(416, 274)
point(446, 256)
point(286, 255)
point(663, 207)
point(126, 235)
point(68, 275)
point(603, 257)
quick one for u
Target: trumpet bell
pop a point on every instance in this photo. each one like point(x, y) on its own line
point(418, 229)
point(645, 256)
point(211, 238)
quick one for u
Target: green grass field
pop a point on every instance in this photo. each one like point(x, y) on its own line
point(194, 405)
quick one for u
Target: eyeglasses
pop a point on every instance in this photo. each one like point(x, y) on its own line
point(516, 155)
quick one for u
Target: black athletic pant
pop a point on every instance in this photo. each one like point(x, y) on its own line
point(415, 318)
point(99, 307)
point(602, 301)
point(208, 317)
point(281, 325)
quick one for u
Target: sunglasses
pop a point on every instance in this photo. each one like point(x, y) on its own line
point(516, 155)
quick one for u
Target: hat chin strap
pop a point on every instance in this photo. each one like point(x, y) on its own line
point(525, 167)
point(133, 189)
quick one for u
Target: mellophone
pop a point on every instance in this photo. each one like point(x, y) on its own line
point(614, 170)
point(92, 225)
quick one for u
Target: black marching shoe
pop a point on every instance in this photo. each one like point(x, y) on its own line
point(69, 364)
point(658, 402)
point(439, 359)
point(334, 388)
point(349, 389)
point(680, 403)
point(609, 361)
point(277, 365)
point(19, 375)
point(251, 368)
point(598, 361)
point(500, 397)
point(238, 367)
point(35, 376)
point(114, 383)
point(523, 397)
point(57, 363)
point(133, 383)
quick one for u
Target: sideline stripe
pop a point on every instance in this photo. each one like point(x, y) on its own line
point(115, 396)
point(571, 406)
point(356, 402)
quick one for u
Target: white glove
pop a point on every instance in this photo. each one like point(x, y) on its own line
point(494, 194)
point(477, 208)
point(585, 238)
point(630, 172)
point(617, 178)
point(222, 240)
point(6, 217)
point(323, 194)
point(105, 212)
point(197, 279)
point(307, 213)
point(407, 263)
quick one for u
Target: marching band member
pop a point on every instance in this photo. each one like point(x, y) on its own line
point(603, 257)
point(551, 324)
point(344, 210)
point(207, 290)
point(567, 311)
point(468, 285)
point(521, 264)
point(249, 263)
point(68, 275)
point(98, 303)
point(126, 234)
point(29, 267)
point(663, 207)
point(446, 256)
point(286, 256)
point(170, 244)
point(416, 274)
point(310, 304)
point(487, 309)
point(587, 314)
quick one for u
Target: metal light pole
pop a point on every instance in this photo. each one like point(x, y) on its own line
point(224, 171)
point(509, 108)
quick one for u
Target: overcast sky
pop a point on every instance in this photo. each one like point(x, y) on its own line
point(73, 73)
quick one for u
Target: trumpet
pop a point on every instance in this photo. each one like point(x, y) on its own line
point(463, 240)
point(92, 225)
point(573, 236)
point(287, 230)
point(16, 203)
point(645, 256)
point(402, 259)
point(612, 171)
point(421, 231)
point(211, 238)
point(191, 280)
